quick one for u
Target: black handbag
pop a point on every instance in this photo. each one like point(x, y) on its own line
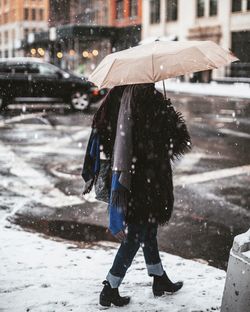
point(103, 181)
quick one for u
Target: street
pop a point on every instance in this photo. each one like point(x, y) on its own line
point(42, 152)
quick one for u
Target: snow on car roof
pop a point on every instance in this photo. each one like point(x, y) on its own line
point(22, 60)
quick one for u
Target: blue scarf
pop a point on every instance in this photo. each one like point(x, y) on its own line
point(95, 153)
point(116, 212)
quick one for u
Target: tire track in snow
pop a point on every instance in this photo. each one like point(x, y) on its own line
point(21, 118)
point(57, 146)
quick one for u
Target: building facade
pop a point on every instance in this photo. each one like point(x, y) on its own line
point(125, 13)
point(87, 12)
point(82, 32)
point(227, 22)
point(19, 19)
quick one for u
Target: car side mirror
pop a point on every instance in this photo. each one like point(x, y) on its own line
point(59, 74)
point(62, 74)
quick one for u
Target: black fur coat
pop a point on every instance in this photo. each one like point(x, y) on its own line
point(159, 136)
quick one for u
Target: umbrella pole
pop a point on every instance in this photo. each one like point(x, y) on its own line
point(164, 89)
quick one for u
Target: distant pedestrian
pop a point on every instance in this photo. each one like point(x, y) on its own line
point(140, 137)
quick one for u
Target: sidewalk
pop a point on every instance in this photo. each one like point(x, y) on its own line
point(41, 274)
point(240, 90)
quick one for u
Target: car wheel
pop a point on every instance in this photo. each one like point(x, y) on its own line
point(80, 101)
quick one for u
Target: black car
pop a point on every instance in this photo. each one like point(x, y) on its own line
point(32, 80)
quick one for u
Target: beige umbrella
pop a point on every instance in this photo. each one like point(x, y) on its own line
point(158, 61)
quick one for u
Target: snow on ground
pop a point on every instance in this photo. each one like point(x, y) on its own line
point(239, 90)
point(42, 274)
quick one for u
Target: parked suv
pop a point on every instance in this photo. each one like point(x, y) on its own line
point(32, 80)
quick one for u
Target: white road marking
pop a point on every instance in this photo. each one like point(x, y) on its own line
point(50, 149)
point(224, 119)
point(235, 133)
point(187, 163)
point(212, 175)
point(230, 112)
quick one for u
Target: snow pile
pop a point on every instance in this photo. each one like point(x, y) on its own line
point(239, 90)
point(40, 274)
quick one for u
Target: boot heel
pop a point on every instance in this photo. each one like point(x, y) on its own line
point(105, 303)
point(158, 293)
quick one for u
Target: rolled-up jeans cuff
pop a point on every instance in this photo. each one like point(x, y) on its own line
point(155, 269)
point(114, 281)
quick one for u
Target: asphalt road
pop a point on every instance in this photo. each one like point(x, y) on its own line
point(41, 154)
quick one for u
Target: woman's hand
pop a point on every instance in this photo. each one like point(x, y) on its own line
point(120, 235)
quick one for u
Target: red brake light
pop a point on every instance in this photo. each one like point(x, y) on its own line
point(95, 92)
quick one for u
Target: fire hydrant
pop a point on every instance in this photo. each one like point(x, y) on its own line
point(236, 296)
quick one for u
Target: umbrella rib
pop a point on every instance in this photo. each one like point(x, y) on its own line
point(108, 71)
point(208, 58)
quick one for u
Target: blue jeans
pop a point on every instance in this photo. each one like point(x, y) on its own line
point(144, 235)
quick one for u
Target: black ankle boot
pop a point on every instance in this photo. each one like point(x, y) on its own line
point(163, 284)
point(111, 295)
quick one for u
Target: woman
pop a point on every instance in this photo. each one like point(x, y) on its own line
point(149, 134)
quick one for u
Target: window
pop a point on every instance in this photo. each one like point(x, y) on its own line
point(248, 4)
point(26, 33)
point(41, 14)
point(200, 8)
point(14, 14)
point(26, 14)
point(33, 14)
point(6, 3)
point(5, 68)
point(133, 8)
point(43, 69)
point(6, 36)
point(19, 69)
point(242, 68)
point(105, 16)
point(154, 11)
point(5, 18)
point(236, 5)
point(119, 9)
point(172, 10)
point(213, 4)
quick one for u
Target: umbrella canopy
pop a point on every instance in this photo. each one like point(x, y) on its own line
point(158, 61)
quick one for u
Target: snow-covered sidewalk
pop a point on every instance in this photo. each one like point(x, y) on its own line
point(238, 90)
point(42, 274)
